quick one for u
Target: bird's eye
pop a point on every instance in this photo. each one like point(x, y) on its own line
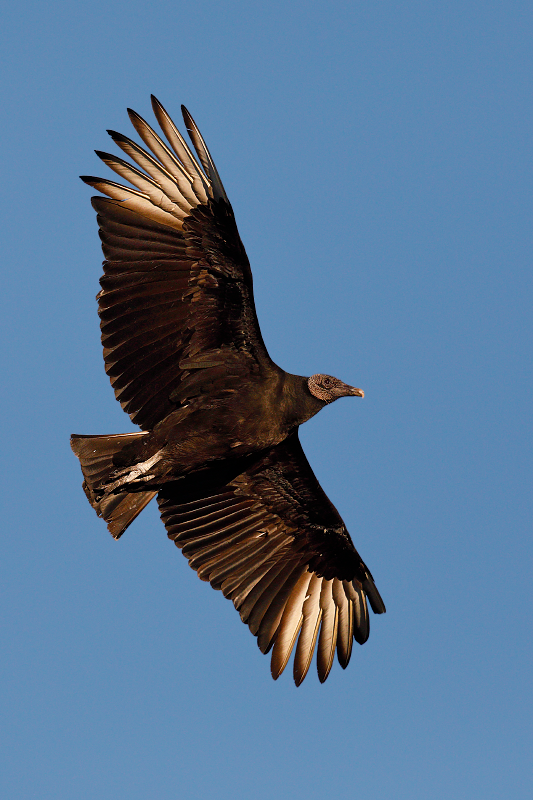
point(326, 383)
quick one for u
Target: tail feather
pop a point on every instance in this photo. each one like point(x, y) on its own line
point(96, 455)
point(119, 510)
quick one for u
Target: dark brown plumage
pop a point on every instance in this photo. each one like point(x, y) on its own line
point(219, 445)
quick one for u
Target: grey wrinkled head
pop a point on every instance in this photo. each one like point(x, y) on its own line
point(327, 388)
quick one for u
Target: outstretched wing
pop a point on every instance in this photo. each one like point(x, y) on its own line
point(176, 304)
point(263, 531)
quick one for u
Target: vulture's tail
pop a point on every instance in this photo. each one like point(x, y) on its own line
point(100, 459)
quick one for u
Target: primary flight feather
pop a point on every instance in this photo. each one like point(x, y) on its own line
point(219, 442)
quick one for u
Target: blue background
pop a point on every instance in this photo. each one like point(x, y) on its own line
point(378, 158)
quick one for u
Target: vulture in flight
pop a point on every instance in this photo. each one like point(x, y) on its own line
point(218, 445)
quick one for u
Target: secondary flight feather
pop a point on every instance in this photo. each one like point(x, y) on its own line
point(219, 443)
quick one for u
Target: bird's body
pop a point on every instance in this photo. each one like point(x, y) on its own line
point(219, 444)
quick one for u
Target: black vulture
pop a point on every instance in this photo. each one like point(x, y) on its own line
point(219, 442)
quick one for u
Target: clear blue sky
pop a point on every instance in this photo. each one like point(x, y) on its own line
point(378, 158)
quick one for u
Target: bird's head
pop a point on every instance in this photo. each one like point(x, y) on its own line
point(327, 388)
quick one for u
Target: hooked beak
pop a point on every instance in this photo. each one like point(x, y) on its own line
point(351, 391)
